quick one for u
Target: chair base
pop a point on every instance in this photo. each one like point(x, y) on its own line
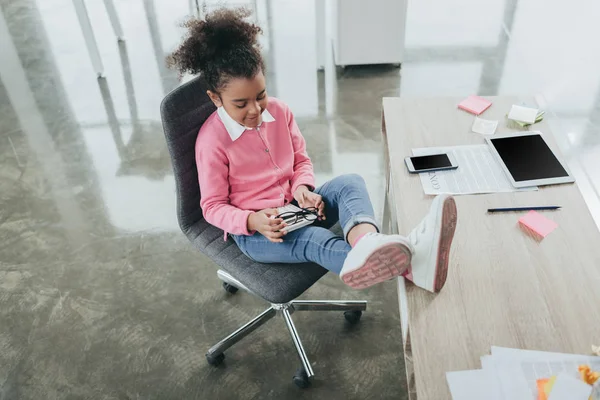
point(352, 309)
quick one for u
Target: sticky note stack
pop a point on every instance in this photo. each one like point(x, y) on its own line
point(537, 224)
point(474, 104)
point(524, 116)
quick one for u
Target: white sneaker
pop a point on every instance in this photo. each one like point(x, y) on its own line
point(431, 240)
point(376, 258)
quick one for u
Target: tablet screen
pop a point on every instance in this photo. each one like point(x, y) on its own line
point(528, 158)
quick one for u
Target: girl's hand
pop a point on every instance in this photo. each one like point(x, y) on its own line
point(306, 199)
point(271, 228)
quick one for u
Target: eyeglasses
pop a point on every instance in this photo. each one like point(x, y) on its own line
point(291, 217)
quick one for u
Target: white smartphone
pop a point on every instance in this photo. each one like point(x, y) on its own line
point(432, 162)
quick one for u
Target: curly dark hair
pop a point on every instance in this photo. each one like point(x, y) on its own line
point(219, 47)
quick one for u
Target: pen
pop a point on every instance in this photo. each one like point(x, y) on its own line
point(539, 208)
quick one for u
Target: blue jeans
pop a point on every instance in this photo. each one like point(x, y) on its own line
point(346, 200)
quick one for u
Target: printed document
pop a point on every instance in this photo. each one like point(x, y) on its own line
point(478, 172)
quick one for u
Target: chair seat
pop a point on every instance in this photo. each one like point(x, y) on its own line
point(276, 283)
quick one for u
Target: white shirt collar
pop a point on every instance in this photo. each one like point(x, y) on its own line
point(234, 129)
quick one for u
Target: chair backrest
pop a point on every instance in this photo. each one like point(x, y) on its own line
point(183, 111)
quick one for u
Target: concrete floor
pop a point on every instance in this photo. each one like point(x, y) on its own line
point(101, 297)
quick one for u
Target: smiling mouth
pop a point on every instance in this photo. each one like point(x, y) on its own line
point(252, 122)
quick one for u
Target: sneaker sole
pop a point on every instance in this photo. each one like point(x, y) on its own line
point(385, 263)
point(449, 218)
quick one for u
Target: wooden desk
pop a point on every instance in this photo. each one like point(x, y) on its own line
point(504, 288)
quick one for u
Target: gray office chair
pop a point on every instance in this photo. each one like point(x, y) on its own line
point(183, 112)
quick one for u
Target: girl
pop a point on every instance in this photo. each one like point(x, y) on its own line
point(251, 159)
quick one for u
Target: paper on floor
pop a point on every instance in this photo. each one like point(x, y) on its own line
point(513, 373)
point(518, 370)
point(478, 172)
point(473, 385)
point(568, 388)
point(536, 355)
point(511, 380)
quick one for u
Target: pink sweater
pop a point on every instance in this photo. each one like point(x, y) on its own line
point(260, 169)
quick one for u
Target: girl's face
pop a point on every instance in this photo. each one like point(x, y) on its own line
point(243, 99)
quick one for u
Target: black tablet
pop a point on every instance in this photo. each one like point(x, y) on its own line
point(527, 160)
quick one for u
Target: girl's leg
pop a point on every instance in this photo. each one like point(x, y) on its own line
point(428, 245)
point(308, 244)
point(374, 258)
point(347, 200)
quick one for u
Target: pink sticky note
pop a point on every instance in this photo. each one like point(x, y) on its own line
point(538, 223)
point(475, 104)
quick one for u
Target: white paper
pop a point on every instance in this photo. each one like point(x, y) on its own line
point(478, 172)
point(486, 361)
point(484, 126)
point(569, 388)
point(518, 370)
point(523, 114)
point(513, 375)
point(473, 385)
point(535, 355)
point(512, 383)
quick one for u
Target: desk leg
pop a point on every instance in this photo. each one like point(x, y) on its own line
point(410, 370)
point(386, 218)
point(403, 304)
point(408, 357)
point(390, 226)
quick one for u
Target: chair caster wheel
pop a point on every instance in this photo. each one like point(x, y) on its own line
point(230, 288)
point(353, 316)
point(301, 379)
point(215, 360)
